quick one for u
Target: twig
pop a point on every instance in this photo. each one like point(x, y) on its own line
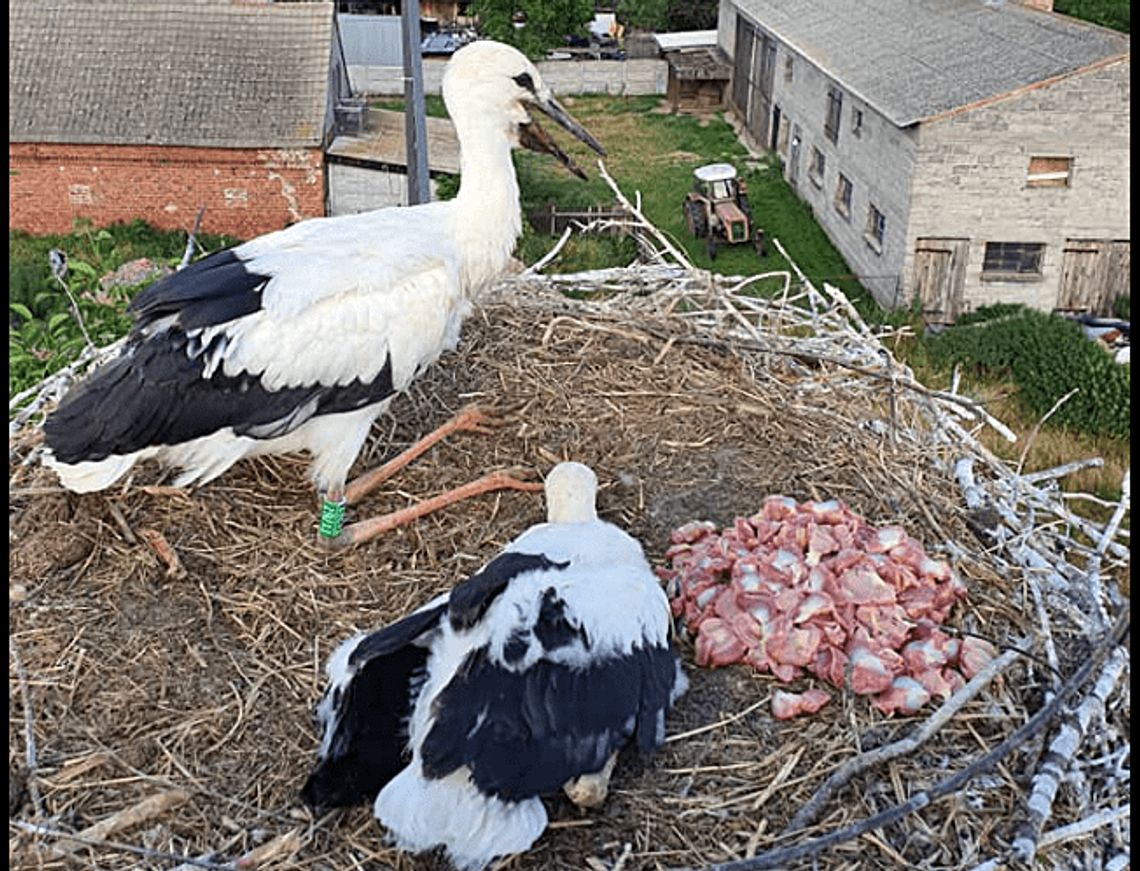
point(950, 785)
point(551, 254)
point(1037, 428)
point(636, 212)
point(807, 814)
point(29, 729)
point(188, 254)
point(75, 310)
point(1060, 757)
point(48, 832)
point(144, 811)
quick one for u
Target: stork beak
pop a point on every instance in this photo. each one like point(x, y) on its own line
point(532, 136)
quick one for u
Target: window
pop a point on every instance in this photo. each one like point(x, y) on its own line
point(843, 189)
point(834, 110)
point(1004, 260)
point(857, 122)
point(876, 229)
point(789, 70)
point(1049, 172)
point(818, 165)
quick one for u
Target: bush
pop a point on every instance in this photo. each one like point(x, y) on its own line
point(1047, 356)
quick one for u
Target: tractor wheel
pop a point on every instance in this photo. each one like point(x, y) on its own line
point(742, 203)
point(695, 219)
point(710, 246)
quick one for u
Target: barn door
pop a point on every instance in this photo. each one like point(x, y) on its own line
point(1094, 274)
point(939, 277)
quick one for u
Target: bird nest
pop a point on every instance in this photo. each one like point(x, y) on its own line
point(167, 648)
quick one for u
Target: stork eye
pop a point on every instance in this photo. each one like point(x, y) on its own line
point(523, 80)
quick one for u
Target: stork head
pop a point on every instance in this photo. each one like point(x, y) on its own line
point(571, 489)
point(488, 81)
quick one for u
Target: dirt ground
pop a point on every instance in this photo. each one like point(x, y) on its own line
point(198, 685)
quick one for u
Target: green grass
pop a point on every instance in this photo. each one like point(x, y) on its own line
point(1115, 14)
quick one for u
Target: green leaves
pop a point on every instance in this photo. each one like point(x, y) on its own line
point(1046, 356)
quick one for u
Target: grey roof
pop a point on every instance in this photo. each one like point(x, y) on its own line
point(915, 59)
point(179, 72)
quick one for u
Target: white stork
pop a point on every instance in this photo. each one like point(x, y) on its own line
point(529, 676)
point(298, 339)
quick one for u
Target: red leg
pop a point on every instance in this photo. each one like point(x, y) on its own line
point(365, 529)
point(469, 419)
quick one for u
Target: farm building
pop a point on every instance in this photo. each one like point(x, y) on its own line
point(120, 110)
point(961, 152)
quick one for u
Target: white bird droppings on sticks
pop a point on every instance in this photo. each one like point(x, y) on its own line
point(528, 677)
point(298, 339)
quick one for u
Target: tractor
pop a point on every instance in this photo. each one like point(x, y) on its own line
point(716, 209)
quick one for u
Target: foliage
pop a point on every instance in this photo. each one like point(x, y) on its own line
point(1122, 308)
point(547, 22)
point(1047, 356)
point(43, 335)
point(668, 15)
point(1116, 14)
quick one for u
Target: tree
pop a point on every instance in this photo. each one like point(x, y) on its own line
point(545, 23)
point(668, 15)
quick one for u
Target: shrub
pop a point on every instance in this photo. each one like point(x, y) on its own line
point(1047, 356)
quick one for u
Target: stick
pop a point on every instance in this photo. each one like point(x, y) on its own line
point(807, 814)
point(775, 858)
point(30, 755)
point(1059, 759)
point(1037, 427)
point(142, 812)
point(636, 212)
point(188, 254)
point(551, 254)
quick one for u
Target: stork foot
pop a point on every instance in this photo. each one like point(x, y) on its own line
point(590, 790)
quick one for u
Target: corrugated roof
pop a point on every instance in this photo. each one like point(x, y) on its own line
point(915, 59)
point(191, 72)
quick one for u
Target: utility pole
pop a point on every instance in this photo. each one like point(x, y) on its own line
point(415, 125)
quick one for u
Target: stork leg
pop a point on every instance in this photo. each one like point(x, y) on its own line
point(470, 419)
point(363, 530)
point(589, 790)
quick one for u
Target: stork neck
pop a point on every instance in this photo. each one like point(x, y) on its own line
point(488, 199)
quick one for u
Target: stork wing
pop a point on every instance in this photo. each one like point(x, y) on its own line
point(525, 732)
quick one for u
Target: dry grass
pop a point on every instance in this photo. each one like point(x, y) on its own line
point(199, 688)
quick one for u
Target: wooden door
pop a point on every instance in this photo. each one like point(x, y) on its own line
point(939, 277)
point(1094, 274)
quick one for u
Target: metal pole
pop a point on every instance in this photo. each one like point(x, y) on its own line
point(415, 127)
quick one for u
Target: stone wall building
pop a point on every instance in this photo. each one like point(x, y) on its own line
point(962, 153)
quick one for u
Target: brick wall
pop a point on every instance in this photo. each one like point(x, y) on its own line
point(247, 192)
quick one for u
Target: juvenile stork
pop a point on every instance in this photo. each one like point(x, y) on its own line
point(297, 340)
point(528, 677)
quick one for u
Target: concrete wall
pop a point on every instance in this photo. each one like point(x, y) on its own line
point(628, 77)
point(246, 191)
point(878, 161)
point(354, 189)
point(971, 174)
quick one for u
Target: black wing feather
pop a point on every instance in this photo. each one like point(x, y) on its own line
point(525, 734)
point(213, 290)
point(471, 599)
point(367, 749)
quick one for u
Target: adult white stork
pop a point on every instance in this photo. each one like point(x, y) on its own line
point(298, 339)
point(529, 676)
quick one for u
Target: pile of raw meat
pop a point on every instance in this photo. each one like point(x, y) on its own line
point(814, 587)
